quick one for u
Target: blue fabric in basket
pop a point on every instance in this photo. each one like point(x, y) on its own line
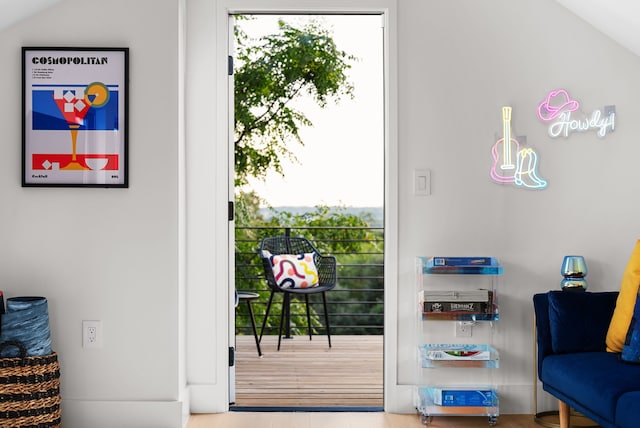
point(27, 321)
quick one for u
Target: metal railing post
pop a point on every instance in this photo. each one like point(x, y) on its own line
point(287, 330)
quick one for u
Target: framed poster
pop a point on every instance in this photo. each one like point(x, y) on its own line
point(74, 122)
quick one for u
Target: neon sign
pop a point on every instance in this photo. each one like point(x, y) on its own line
point(556, 110)
point(503, 169)
point(524, 171)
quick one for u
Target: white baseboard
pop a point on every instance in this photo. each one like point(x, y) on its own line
point(122, 414)
point(208, 399)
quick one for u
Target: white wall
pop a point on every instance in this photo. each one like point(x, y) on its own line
point(106, 254)
point(116, 255)
point(460, 62)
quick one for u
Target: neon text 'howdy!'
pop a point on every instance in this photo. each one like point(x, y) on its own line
point(556, 109)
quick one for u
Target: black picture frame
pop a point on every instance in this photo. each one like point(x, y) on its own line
point(75, 121)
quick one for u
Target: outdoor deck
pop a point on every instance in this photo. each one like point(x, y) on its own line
point(308, 373)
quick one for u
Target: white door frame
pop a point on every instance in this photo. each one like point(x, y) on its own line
point(209, 151)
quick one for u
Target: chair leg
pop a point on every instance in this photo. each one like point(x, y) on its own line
point(306, 301)
point(565, 414)
point(266, 315)
point(285, 308)
point(253, 326)
point(326, 317)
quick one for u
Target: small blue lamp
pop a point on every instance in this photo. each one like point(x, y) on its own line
point(574, 269)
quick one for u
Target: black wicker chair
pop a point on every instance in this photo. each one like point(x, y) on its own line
point(327, 278)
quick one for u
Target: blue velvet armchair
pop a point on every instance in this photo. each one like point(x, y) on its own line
point(573, 364)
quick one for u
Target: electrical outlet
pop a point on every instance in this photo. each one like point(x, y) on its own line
point(463, 328)
point(91, 334)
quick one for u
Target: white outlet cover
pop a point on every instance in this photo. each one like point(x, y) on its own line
point(92, 334)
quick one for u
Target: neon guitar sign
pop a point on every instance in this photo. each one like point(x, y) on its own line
point(503, 169)
point(524, 171)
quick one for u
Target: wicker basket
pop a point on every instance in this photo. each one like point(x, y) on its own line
point(29, 390)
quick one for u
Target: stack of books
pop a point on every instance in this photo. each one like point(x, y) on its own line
point(468, 301)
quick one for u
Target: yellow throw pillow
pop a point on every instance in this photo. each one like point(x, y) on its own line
point(624, 305)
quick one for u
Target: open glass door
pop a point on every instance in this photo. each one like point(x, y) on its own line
point(231, 231)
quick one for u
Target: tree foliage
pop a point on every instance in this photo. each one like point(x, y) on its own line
point(270, 73)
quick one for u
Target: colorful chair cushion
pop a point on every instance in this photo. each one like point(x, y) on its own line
point(294, 270)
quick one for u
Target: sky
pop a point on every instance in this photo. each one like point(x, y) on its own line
point(342, 162)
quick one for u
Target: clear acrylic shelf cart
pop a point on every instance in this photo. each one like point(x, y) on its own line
point(457, 307)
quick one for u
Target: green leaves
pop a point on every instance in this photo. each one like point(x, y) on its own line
point(270, 73)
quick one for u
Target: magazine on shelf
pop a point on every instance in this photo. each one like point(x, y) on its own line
point(456, 352)
point(481, 295)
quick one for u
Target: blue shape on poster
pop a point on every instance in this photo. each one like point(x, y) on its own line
point(47, 116)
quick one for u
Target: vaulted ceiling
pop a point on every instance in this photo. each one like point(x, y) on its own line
point(618, 19)
point(12, 11)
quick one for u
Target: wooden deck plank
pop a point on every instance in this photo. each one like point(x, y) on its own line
point(349, 374)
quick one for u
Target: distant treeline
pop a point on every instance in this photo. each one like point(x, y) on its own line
point(377, 213)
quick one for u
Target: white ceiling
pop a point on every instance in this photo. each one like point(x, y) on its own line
point(619, 19)
point(12, 11)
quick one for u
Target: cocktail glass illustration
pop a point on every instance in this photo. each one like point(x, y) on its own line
point(74, 104)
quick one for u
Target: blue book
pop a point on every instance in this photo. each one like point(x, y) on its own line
point(461, 265)
point(462, 261)
point(461, 397)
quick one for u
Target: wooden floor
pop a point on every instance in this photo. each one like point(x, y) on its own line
point(349, 420)
point(349, 374)
point(308, 373)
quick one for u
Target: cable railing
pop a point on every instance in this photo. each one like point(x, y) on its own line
point(356, 304)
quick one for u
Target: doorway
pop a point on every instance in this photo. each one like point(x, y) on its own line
point(344, 147)
point(207, 196)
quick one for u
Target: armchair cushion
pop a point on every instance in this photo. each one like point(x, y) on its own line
point(627, 409)
point(592, 381)
point(294, 270)
point(578, 321)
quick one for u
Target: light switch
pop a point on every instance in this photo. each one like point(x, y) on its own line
point(421, 182)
